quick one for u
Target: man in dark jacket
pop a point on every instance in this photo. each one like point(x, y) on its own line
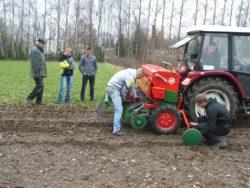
point(37, 71)
point(88, 68)
point(67, 66)
point(216, 124)
point(211, 56)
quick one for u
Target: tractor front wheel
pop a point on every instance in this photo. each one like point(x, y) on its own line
point(165, 119)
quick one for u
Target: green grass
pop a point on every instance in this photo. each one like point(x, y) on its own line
point(16, 83)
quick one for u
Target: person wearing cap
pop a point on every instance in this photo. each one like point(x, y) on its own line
point(37, 71)
point(122, 79)
point(88, 68)
point(67, 66)
point(216, 124)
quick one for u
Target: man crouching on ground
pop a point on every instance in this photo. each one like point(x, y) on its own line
point(216, 124)
point(125, 78)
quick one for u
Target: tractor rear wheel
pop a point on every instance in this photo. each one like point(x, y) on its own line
point(217, 88)
point(165, 119)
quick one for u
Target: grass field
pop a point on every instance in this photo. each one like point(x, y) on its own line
point(16, 83)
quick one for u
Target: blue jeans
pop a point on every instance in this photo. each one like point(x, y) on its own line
point(65, 80)
point(115, 95)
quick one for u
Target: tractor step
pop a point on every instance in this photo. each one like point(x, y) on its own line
point(245, 107)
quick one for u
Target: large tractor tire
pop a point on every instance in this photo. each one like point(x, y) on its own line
point(165, 119)
point(217, 88)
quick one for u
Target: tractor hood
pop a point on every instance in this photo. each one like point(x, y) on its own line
point(183, 41)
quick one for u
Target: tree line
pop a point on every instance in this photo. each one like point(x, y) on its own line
point(131, 27)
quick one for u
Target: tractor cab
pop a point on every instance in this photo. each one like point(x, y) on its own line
point(218, 55)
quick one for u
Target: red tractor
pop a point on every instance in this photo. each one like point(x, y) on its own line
point(216, 62)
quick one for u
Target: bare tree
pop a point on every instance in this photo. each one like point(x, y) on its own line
point(196, 11)
point(29, 19)
point(21, 29)
point(129, 28)
point(231, 12)
point(13, 30)
point(138, 28)
point(35, 21)
point(163, 19)
point(4, 36)
point(58, 9)
point(100, 11)
point(120, 4)
point(148, 17)
point(205, 12)
point(44, 18)
point(77, 10)
point(246, 14)
point(50, 28)
point(90, 18)
point(223, 12)
point(147, 27)
point(180, 19)
point(239, 13)
point(215, 8)
point(66, 24)
point(171, 19)
point(157, 10)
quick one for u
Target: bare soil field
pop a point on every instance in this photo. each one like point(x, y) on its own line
point(47, 146)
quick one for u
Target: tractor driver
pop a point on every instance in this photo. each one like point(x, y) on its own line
point(211, 56)
point(125, 78)
point(216, 124)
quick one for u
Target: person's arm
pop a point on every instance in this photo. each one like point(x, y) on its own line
point(71, 62)
point(212, 117)
point(95, 66)
point(130, 84)
point(81, 64)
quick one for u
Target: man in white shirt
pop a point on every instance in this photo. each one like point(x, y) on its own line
point(125, 78)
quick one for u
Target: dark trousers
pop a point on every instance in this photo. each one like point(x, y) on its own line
point(85, 79)
point(212, 136)
point(37, 91)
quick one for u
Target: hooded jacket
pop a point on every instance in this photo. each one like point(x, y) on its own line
point(217, 115)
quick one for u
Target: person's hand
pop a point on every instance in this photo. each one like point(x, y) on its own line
point(193, 124)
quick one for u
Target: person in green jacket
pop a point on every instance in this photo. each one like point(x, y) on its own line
point(37, 71)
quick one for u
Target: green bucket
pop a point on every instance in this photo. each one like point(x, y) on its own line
point(107, 100)
point(192, 137)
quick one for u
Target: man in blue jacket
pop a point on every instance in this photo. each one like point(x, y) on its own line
point(88, 68)
point(37, 71)
point(216, 124)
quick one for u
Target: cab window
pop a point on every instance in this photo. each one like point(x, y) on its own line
point(215, 52)
point(241, 55)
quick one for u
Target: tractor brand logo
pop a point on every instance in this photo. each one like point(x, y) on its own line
point(171, 80)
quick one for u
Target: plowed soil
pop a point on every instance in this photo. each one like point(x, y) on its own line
point(47, 146)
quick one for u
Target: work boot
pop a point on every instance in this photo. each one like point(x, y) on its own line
point(39, 103)
point(220, 145)
point(29, 101)
point(117, 134)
